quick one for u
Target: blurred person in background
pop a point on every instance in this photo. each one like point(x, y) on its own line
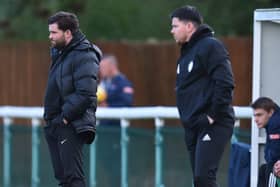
point(267, 115)
point(114, 90)
point(204, 91)
point(70, 98)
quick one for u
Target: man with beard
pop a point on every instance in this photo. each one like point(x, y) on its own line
point(70, 98)
point(204, 90)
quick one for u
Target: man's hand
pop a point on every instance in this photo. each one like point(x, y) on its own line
point(211, 121)
point(65, 121)
point(276, 168)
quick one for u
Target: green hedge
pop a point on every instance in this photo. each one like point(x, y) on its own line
point(125, 19)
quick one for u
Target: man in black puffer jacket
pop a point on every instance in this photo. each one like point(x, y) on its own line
point(70, 99)
point(204, 90)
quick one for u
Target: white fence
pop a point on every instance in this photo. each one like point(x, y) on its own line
point(159, 114)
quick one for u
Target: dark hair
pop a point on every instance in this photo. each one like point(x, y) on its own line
point(264, 103)
point(188, 13)
point(65, 21)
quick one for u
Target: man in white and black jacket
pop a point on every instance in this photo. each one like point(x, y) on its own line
point(204, 91)
point(70, 98)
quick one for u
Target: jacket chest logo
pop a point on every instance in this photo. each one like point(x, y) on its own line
point(190, 66)
point(178, 69)
point(274, 136)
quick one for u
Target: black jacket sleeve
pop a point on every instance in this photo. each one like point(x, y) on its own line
point(220, 71)
point(85, 71)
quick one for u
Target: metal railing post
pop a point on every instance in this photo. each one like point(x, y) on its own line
point(92, 161)
point(7, 137)
point(124, 152)
point(158, 154)
point(35, 180)
point(234, 138)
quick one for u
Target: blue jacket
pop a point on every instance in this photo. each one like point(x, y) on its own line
point(272, 147)
point(119, 91)
point(119, 94)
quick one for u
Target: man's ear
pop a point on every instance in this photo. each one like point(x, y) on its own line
point(271, 112)
point(68, 33)
point(190, 26)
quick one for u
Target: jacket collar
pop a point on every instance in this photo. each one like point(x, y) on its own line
point(201, 32)
point(275, 113)
point(78, 37)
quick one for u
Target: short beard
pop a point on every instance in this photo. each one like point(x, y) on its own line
point(60, 44)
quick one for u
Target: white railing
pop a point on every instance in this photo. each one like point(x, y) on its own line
point(159, 114)
point(117, 113)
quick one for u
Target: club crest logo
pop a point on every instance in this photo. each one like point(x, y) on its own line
point(178, 69)
point(190, 67)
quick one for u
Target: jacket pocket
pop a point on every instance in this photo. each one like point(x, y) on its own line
point(200, 122)
point(86, 122)
point(58, 120)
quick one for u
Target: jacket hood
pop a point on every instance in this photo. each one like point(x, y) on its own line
point(275, 114)
point(201, 32)
point(79, 42)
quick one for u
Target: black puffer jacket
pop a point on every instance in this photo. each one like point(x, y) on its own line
point(72, 85)
point(205, 82)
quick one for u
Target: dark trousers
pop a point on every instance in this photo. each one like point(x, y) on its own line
point(206, 146)
point(65, 147)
